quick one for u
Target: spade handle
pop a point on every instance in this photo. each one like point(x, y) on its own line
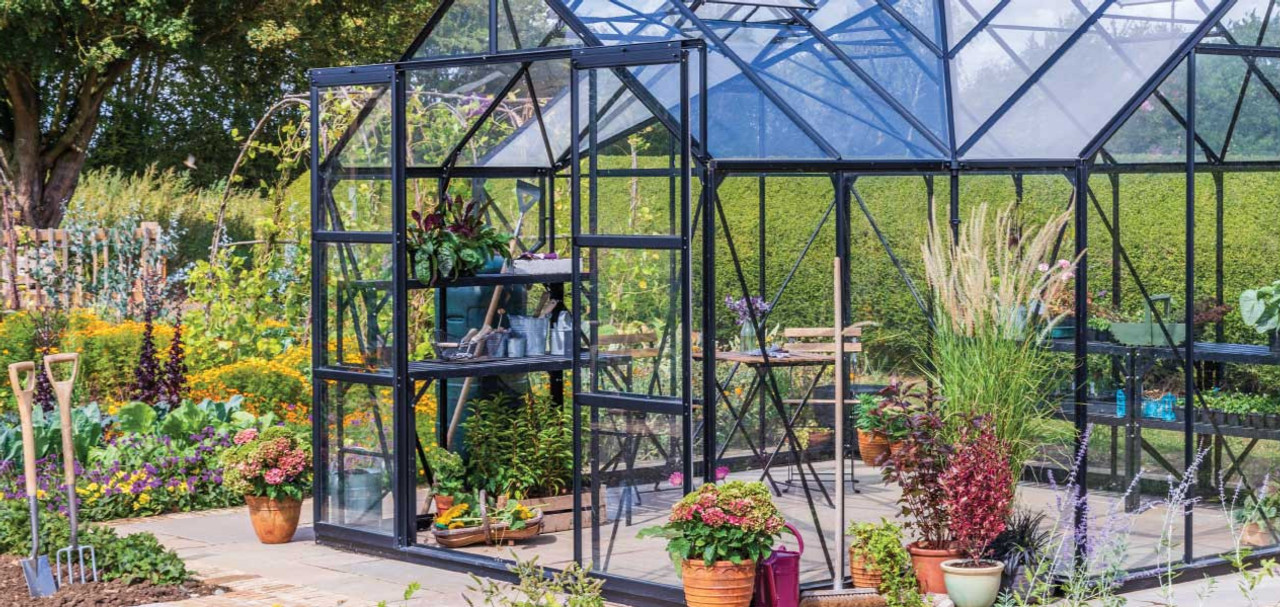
point(25, 391)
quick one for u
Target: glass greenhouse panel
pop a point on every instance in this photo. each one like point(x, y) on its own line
point(633, 477)
point(463, 30)
point(443, 106)
point(358, 457)
point(357, 307)
point(1058, 116)
point(530, 127)
point(634, 344)
point(1004, 54)
point(964, 15)
point(528, 24)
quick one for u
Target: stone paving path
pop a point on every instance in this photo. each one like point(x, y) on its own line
point(221, 547)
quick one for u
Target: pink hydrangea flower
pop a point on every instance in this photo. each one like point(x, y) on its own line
point(722, 472)
point(274, 476)
point(245, 436)
point(676, 479)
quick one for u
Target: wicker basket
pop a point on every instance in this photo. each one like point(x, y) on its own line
point(488, 532)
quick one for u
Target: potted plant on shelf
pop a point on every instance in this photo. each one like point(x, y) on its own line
point(917, 469)
point(978, 485)
point(272, 469)
point(448, 472)
point(878, 560)
point(453, 240)
point(715, 536)
point(1260, 309)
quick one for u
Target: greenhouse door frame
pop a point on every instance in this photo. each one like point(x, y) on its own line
point(584, 70)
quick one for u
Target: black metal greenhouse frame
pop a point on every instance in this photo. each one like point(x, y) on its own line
point(1092, 159)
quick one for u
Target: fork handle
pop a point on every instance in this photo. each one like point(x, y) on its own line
point(62, 389)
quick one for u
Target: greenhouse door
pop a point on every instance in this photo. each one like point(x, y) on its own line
point(632, 186)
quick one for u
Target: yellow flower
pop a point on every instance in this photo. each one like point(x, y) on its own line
point(452, 513)
point(455, 525)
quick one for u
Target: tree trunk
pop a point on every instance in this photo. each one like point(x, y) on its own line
point(45, 167)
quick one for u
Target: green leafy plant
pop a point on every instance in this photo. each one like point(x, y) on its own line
point(890, 413)
point(86, 425)
point(574, 586)
point(134, 558)
point(521, 447)
point(1260, 308)
point(274, 463)
point(880, 547)
point(453, 240)
point(734, 521)
point(450, 474)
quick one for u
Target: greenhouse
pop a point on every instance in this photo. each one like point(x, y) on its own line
point(676, 177)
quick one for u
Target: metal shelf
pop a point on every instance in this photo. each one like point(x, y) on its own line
point(479, 280)
point(430, 369)
point(1205, 351)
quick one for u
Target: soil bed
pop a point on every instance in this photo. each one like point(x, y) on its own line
point(13, 591)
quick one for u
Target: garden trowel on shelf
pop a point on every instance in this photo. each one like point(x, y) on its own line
point(35, 568)
point(75, 557)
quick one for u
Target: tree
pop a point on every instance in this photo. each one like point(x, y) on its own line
point(146, 69)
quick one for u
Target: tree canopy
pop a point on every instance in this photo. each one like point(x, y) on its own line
point(130, 83)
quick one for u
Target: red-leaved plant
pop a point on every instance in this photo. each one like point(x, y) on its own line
point(978, 486)
point(917, 468)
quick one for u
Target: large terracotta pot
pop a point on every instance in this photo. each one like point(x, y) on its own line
point(927, 563)
point(873, 447)
point(1255, 534)
point(969, 586)
point(274, 520)
point(720, 585)
point(862, 570)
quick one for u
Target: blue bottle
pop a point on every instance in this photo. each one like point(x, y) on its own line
point(1120, 404)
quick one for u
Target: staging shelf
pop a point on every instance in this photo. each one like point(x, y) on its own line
point(430, 369)
point(1205, 351)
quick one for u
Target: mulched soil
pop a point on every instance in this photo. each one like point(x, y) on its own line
point(13, 592)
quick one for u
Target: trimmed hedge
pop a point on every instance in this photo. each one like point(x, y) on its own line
point(1151, 218)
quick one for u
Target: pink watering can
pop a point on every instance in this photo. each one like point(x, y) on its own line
point(778, 576)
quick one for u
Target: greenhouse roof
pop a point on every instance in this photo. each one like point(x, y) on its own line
point(870, 80)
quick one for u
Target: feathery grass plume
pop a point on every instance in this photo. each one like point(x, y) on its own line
point(990, 288)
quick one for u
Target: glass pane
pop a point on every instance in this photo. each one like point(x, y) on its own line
point(355, 158)
point(444, 104)
point(464, 30)
point(1056, 118)
point(359, 458)
point(896, 61)
point(741, 114)
point(526, 24)
point(1244, 23)
point(357, 291)
point(634, 337)
point(633, 477)
point(514, 136)
point(1254, 134)
point(1001, 57)
point(963, 15)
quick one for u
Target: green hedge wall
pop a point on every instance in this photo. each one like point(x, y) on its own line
point(1151, 218)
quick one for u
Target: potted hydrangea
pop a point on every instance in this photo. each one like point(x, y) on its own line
point(272, 469)
point(716, 535)
point(979, 493)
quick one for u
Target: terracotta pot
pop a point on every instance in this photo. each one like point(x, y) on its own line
point(927, 563)
point(443, 502)
point(873, 447)
point(1255, 534)
point(864, 576)
point(274, 520)
point(720, 585)
point(969, 586)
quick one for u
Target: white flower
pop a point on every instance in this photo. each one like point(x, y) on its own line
point(1044, 267)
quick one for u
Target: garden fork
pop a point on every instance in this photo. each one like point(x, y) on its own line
point(35, 568)
point(73, 555)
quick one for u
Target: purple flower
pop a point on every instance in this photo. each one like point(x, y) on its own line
point(722, 472)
